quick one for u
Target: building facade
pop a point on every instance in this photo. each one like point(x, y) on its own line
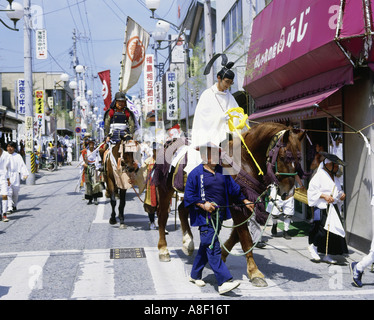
point(310, 66)
point(56, 104)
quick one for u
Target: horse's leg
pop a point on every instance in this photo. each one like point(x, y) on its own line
point(254, 274)
point(188, 244)
point(121, 208)
point(111, 191)
point(164, 198)
point(113, 219)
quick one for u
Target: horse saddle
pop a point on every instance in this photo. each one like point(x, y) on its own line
point(179, 176)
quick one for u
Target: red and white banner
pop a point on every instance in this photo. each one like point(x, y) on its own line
point(149, 82)
point(106, 90)
point(133, 55)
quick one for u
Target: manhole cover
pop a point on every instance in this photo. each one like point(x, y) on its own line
point(127, 253)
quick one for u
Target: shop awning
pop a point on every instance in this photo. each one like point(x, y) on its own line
point(300, 108)
point(294, 42)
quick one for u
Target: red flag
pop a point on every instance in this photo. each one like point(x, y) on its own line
point(106, 91)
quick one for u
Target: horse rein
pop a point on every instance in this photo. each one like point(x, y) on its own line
point(272, 155)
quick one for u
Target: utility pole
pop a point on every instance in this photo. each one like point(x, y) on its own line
point(75, 104)
point(208, 39)
point(29, 100)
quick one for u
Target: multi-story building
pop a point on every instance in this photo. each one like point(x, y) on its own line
point(57, 101)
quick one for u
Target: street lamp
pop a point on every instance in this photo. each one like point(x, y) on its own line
point(14, 12)
point(162, 28)
point(152, 5)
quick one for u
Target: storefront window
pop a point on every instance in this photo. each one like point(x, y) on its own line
point(232, 24)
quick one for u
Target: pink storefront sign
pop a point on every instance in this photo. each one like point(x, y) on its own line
point(293, 41)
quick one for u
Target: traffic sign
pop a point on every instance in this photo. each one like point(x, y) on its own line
point(77, 129)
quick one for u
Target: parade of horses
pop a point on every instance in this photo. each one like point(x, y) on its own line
point(257, 122)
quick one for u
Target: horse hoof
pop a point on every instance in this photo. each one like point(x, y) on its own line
point(112, 220)
point(188, 246)
point(122, 226)
point(259, 282)
point(165, 257)
point(189, 249)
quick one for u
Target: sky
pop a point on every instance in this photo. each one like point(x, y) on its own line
point(100, 26)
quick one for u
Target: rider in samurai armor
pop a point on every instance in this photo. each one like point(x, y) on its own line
point(119, 120)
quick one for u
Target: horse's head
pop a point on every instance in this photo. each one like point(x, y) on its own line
point(124, 152)
point(285, 161)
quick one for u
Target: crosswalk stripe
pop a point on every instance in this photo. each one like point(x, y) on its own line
point(22, 275)
point(170, 278)
point(100, 213)
point(96, 278)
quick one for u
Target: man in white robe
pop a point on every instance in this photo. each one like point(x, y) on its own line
point(324, 190)
point(4, 180)
point(210, 123)
point(17, 171)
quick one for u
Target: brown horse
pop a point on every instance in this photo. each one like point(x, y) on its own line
point(276, 149)
point(120, 166)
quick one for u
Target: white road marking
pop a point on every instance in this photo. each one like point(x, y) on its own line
point(100, 214)
point(23, 275)
point(95, 279)
point(171, 278)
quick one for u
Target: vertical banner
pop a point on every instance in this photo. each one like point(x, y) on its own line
point(21, 96)
point(158, 95)
point(177, 53)
point(106, 91)
point(41, 44)
point(133, 54)
point(171, 96)
point(29, 144)
point(39, 126)
point(149, 76)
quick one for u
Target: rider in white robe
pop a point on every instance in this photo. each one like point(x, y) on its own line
point(210, 121)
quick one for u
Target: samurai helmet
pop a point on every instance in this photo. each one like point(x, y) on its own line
point(225, 72)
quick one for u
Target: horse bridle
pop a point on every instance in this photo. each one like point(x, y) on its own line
point(272, 153)
point(123, 164)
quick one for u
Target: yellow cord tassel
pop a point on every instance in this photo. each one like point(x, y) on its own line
point(242, 123)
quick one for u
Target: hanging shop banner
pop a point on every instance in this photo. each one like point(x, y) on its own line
point(107, 89)
point(177, 50)
point(133, 54)
point(171, 96)
point(21, 107)
point(158, 95)
point(41, 44)
point(149, 76)
point(39, 125)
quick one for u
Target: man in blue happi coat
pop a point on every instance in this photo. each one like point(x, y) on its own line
point(207, 189)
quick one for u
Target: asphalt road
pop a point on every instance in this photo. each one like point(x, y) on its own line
point(56, 247)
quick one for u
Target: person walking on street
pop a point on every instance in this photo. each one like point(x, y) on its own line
point(60, 155)
point(150, 200)
point(93, 184)
point(206, 188)
point(69, 157)
point(287, 206)
point(325, 194)
point(4, 180)
point(357, 268)
point(17, 171)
